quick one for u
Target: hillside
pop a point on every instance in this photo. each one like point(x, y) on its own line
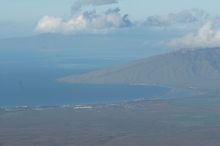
point(190, 68)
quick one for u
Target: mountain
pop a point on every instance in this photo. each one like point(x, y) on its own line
point(198, 68)
point(76, 45)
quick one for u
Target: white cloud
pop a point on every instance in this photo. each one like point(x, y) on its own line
point(184, 17)
point(98, 2)
point(78, 5)
point(88, 21)
point(206, 37)
point(49, 24)
point(93, 22)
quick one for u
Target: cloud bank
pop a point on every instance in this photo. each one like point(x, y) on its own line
point(206, 37)
point(180, 18)
point(85, 21)
point(111, 19)
point(88, 21)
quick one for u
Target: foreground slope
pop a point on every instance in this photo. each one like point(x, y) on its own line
point(189, 68)
point(191, 121)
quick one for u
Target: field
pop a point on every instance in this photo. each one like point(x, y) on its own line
point(191, 121)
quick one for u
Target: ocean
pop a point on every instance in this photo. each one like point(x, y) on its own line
point(35, 84)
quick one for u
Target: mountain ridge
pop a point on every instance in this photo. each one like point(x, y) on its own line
point(189, 68)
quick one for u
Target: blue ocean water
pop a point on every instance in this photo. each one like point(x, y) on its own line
point(35, 84)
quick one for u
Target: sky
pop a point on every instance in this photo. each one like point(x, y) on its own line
point(31, 10)
point(20, 17)
point(178, 21)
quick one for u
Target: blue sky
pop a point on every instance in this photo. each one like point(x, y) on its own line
point(143, 8)
point(18, 18)
point(31, 10)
